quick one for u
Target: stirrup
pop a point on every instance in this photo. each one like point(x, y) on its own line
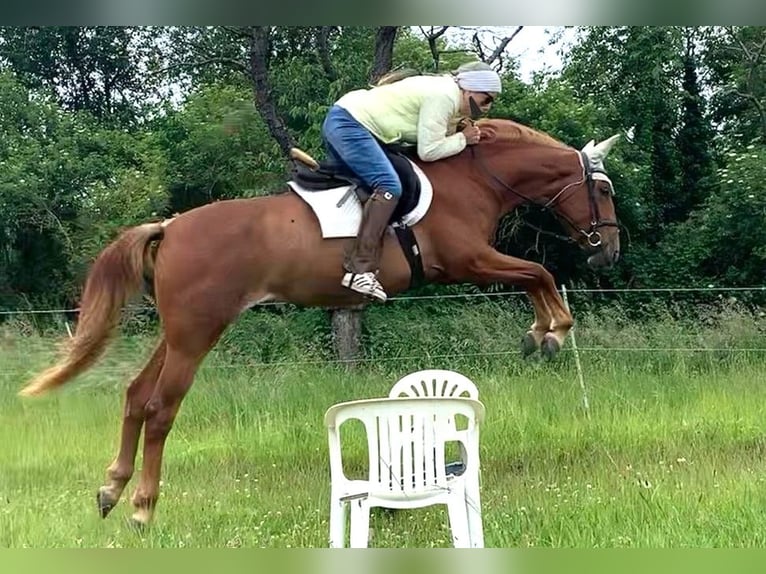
point(364, 283)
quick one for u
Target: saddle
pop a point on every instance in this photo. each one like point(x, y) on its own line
point(318, 176)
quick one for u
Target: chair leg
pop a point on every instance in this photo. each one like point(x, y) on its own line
point(473, 509)
point(360, 523)
point(458, 522)
point(475, 526)
point(338, 515)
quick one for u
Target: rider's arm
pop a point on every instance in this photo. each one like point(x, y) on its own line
point(436, 113)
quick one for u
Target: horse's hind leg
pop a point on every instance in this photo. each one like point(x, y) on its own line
point(175, 380)
point(137, 395)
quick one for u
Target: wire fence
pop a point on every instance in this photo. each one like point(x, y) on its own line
point(570, 348)
point(403, 298)
point(18, 358)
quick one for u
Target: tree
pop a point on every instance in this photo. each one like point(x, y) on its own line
point(694, 140)
point(294, 72)
point(384, 51)
point(486, 43)
point(636, 74)
point(216, 147)
point(106, 70)
point(259, 52)
point(59, 171)
point(736, 58)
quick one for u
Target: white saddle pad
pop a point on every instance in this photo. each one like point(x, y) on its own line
point(339, 218)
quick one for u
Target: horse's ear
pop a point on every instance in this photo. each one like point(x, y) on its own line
point(598, 152)
point(603, 148)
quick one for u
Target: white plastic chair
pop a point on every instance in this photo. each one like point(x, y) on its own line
point(445, 383)
point(437, 383)
point(406, 439)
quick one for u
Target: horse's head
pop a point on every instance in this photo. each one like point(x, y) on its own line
point(586, 207)
point(534, 168)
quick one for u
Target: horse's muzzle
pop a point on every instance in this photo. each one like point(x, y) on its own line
point(606, 257)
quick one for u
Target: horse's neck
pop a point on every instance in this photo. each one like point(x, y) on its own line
point(466, 190)
point(530, 174)
point(496, 184)
point(486, 186)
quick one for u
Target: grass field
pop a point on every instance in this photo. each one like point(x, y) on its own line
point(672, 454)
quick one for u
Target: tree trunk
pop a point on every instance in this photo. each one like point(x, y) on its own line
point(346, 333)
point(323, 47)
point(384, 51)
point(259, 74)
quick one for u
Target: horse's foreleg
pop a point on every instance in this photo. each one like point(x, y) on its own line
point(552, 319)
point(174, 381)
point(561, 320)
point(137, 395)
point(533, 338)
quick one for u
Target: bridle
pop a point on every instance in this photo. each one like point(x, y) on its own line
point(590, 176)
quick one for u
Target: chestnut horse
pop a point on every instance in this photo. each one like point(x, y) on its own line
point(211, 263)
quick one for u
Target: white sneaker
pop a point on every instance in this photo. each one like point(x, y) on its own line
point(364, 283)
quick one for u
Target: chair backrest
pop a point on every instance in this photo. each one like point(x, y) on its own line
point(434, 383)
point(406, 439)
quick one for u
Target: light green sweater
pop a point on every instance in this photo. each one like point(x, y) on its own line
point(418, 109)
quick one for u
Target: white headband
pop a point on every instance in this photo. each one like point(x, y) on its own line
point(480, 81)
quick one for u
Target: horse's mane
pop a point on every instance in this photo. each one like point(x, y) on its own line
point(498, 130)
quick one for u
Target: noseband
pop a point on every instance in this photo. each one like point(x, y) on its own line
point(590, 175)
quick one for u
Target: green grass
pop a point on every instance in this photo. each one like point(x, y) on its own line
point(671, 454)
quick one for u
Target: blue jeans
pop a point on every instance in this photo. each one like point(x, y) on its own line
point(352, 145)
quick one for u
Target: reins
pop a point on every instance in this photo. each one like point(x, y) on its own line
point(592, 234)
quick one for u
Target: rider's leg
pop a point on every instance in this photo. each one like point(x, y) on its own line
point(351, 143)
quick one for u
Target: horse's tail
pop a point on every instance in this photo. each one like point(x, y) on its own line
point(116, 275)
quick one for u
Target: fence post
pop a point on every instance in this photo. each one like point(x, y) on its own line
point(346, 326)
point(585, 401)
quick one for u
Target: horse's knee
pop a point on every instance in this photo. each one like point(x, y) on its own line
point(538, 274)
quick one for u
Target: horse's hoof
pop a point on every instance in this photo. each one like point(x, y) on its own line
point(528, 345)
point(105, 503)
point(137, 526)
point(550, 347)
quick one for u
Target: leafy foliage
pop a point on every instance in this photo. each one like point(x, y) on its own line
point(215, 147)
point(53, 166)
point(104, 127)
point(105, 70)
point(736, 61)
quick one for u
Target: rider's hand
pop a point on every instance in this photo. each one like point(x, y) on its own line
point(472, 135)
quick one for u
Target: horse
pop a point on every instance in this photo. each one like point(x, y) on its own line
point(209, 264)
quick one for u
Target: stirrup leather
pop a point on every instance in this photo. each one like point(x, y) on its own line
point(364, 283)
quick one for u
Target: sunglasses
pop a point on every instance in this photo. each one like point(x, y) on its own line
point(488, 99)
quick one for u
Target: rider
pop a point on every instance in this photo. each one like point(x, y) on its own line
point(422, 109)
